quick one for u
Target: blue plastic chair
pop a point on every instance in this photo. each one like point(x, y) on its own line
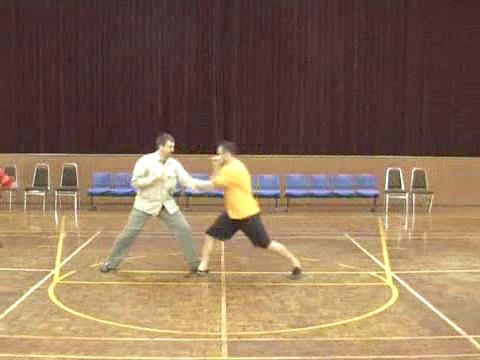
point(343, 185)
point(121, 185)
point(296, 186)
point(320, 186)
point(268, 186)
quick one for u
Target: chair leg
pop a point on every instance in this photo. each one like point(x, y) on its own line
point(431, 203)
point(288, 202)
point(56, 196)
point(386, 203)
point(44, 195)
point(25, 201)
point(75, 204)
point(10, 201)
point(406, 211)
point(413, 204)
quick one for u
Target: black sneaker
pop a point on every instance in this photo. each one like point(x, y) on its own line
point(296, 273)
point(191, 273)
point(106, 267)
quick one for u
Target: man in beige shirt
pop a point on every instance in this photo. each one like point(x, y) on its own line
point(155, 177)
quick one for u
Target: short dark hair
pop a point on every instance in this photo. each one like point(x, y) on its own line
point(228, 146)
point(162, 139)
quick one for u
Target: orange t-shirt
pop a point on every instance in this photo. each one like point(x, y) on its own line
point(235, 178)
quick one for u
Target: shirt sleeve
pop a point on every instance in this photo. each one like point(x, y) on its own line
point(183, 176)
point(140, 178)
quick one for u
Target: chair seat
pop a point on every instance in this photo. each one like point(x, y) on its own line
point(421, 192)
point(36, 189)
point(216, 194)
point(367, 193)
point(344, 192)
point(67, 189)
point(296, 193)
point(396, 191)
point(320, 193)
point(195, 193)
point(9, 189)
point(98, 191)
point(122, 192)
point(267, 193)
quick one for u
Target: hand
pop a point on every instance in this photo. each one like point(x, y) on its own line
point(216, 160)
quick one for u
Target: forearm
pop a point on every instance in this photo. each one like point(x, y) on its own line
point(143, 182)
point(202, 185)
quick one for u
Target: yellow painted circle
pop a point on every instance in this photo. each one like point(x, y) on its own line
point(386, 305)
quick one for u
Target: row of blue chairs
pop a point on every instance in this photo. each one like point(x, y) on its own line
point(264, 186)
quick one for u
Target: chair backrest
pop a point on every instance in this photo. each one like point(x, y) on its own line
point(343, 181)
point(320, 182)
point(101, 180)
point(11, 170)
point(296, 181)
point(254, 179)
point(69, 176)
point(394, 179)
point(121, 180)
point(419, 179)
point(367, 181)
point(268, 182)
point(41, 176)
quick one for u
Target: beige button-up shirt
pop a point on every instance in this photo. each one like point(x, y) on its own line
point(154, 194)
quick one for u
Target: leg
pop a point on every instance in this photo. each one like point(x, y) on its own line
point(207, 249)
point(135, 224)
point(282, 250)
point(255, 231)
point(183, 233)
point(222, 229)
point(431, 203)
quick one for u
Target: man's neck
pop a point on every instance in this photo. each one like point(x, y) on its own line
point(163, 159)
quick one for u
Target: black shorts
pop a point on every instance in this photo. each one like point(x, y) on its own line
point(224, 228)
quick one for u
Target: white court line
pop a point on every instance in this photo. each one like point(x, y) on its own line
point(224, 305)
point(41, 282)
point(418, 296)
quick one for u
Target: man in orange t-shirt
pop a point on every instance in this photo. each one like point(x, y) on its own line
point(242, 210)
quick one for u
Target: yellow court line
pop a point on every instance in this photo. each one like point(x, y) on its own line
point(418, 296)
point(386, 259)
point(172, 283)
point(390, 302)
point(58, 259)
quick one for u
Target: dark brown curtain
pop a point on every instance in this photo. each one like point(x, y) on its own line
point(276, 76)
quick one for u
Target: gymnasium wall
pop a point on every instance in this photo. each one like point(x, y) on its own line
point(454, 180)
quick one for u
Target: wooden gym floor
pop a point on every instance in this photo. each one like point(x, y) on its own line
point(371, 291)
